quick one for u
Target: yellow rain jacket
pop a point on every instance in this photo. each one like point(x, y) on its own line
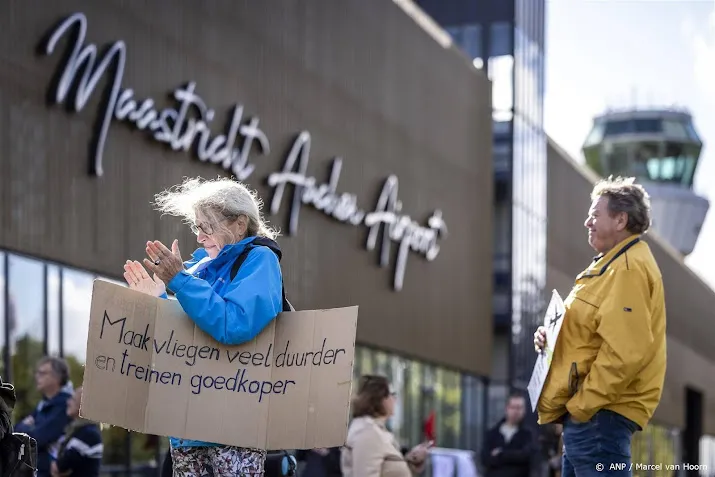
point(611, 350)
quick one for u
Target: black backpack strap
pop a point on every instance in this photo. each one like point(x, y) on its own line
point(239, 261)
point(242, 258)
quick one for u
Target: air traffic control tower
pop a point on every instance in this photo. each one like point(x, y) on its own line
point(661, 148)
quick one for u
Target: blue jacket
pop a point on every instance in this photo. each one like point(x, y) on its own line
point(232, 312)
point(81, 450)
point(51, 418)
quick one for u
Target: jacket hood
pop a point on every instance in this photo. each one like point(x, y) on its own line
point(266, 242)
point(232, 251)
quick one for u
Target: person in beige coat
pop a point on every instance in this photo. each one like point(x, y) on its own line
point(371, 450)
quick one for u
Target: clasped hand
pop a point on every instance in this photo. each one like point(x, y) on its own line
point(162, 262)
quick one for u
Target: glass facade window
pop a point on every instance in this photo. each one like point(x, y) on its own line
point(513, 40)
point(76, 301)
point(456, 399)
point(502, 158)
point(472, 41)
point(3, 322)
point(501, 71)
point(633, 126)
point(655, 444)
point(412, 393)
point(44, 308)
point(528, 246)
point(54, 335)
point(473, 418)
point(26, 323)
point(448, 403)
point(529, 175)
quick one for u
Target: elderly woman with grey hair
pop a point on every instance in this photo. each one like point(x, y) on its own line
point(232, 288)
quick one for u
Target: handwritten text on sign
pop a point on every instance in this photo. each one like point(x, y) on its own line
point(239, 382)
point(150, 369)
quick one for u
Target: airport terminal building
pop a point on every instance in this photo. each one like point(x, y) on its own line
point(103, 105)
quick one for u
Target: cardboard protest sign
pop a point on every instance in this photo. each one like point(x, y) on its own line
point(150, 369)
point(553, 319)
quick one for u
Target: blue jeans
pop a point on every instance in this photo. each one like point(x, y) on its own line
point(600, 447)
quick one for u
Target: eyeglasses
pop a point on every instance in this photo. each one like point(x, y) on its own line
point(206, 227)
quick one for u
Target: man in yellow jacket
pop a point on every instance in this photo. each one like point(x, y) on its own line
point(608, 367)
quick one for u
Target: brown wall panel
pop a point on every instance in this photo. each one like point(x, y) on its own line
point(686, 367)
point(369, 84)
point(689, 302)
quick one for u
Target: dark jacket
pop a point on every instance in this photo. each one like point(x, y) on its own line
point(50, 422)
point(317, 465)
point(81, 450)
point(7, 404)
point(515, 457)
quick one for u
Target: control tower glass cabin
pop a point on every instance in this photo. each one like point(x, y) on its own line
point(661, 148)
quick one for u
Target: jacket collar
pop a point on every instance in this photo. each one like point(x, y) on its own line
point(602, 261)
point(228, 252)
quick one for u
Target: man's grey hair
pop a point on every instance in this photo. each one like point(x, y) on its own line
point(59, 368)
point(216, 199)
point(624, 195)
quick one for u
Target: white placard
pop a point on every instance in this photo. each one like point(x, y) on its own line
point(553, 320)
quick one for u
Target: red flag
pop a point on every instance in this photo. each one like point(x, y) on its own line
point(429, 427)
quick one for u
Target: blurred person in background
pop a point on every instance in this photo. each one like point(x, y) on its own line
point(81, 449)
point(48, 421)
point(508, 449)
point(550, 442)
point(608, 367)
point(322, 462)
point(225, 216)
point(371, 450)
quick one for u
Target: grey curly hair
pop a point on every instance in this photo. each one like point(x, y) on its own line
point(216, 199)
point(624, 195)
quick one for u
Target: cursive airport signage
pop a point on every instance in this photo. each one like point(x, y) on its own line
point(400, 228)
point(187, 126)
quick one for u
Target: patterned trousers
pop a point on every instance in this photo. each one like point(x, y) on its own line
point(225, 461)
